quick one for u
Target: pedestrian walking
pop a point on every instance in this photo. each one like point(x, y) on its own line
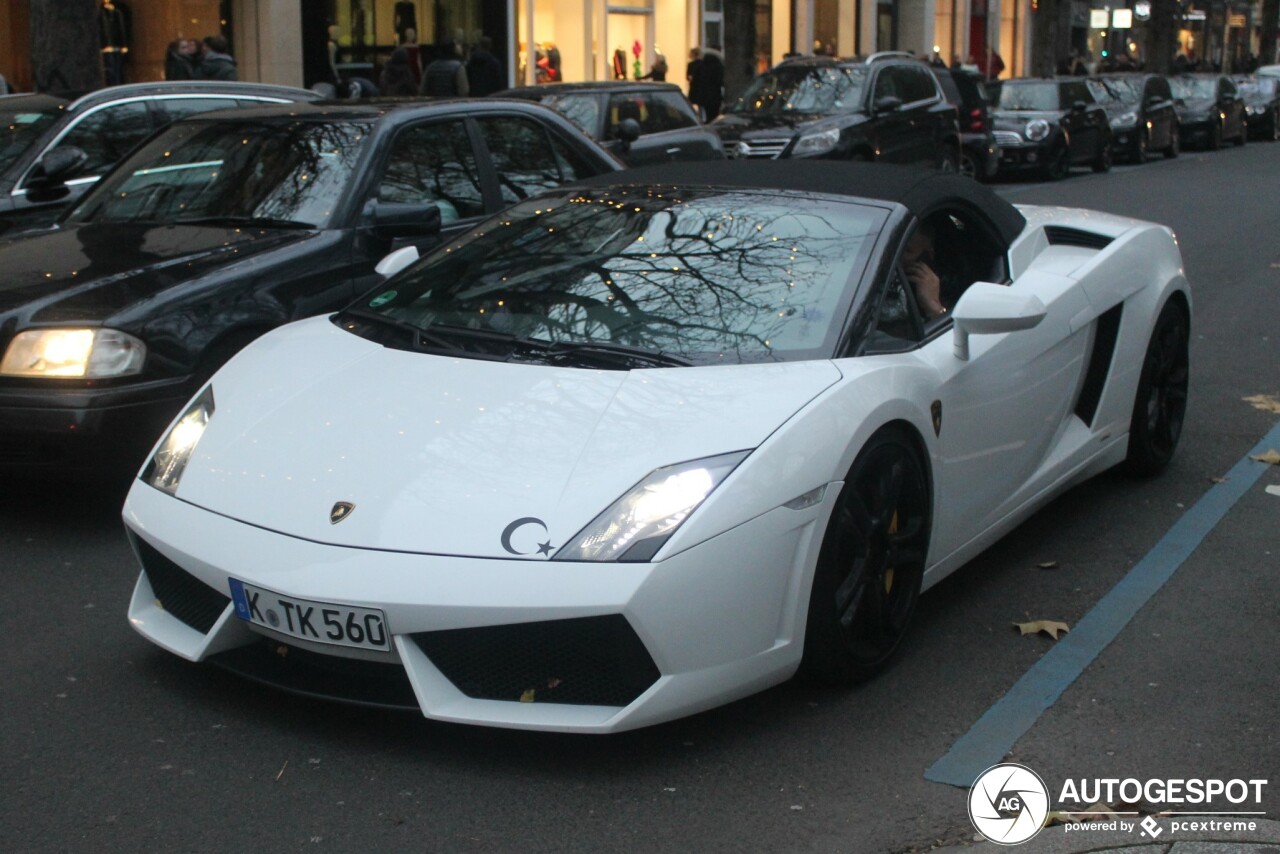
point(397, 75)
point(484, 72)
point(706, 83)
point(445, 76)
point(215, 60)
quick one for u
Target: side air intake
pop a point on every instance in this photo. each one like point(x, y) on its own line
point(1061, 235)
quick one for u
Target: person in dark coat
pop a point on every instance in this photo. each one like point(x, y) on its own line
point(182, 60)
point(659, 70)
point(397, 75)
point(484, 72)
point(706, 84)
point(216, 62)
point(445, 76)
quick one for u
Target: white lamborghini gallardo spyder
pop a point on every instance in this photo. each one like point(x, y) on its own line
point(645, 445)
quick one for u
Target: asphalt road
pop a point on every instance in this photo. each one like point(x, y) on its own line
point(110, 743)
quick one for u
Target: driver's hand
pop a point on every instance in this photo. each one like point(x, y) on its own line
point(928, 289)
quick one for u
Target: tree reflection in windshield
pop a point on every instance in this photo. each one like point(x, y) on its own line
point(804, 90)
point(295, 171)
point(710, 276)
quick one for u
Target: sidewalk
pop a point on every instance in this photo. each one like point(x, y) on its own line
point(1056, 840)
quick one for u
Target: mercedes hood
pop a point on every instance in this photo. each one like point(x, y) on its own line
point(447, 455)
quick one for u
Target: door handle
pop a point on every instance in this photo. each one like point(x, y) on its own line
point(673, 150)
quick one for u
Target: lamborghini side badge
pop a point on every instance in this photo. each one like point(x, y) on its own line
point(340, 511)
point(936, 409)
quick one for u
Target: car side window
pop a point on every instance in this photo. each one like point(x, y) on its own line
point(434, 163)
point(667, 112)
point(108, 135)
point(180, 108)
point(522, 155)
point(898, 324)
point(886, 85)
point(918, 84)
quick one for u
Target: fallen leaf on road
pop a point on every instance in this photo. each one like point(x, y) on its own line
point(1265, 402)
point(1049, 627)
point(1048, 564)
point(1271, 457)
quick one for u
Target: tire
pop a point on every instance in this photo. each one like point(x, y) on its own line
point(1160, 404)
point(1273, 127)
point(1102, 163)
point(871, 565)
point(1215, 137)
point(948, 163)
point(1060, 166)
point(1175, 144)
point(1140, 148)
point(1244, 134)
point(968, 167)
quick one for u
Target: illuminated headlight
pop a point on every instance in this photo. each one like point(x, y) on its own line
point(78, 353)
point(816, 143)
point(1254, 111)
point(1127, 120)
point(640, 522)
point(1037, 130)
point(170, 459)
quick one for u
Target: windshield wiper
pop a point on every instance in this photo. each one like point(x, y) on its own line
point(417, 335)
point(262, 221)
point(613, 355)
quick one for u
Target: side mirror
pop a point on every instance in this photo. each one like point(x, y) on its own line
point(1079, 107)
point(53, 171)
point(396, 261)
point(627, 132)
point(396, 219)
point(987, 309)
point(887, 104)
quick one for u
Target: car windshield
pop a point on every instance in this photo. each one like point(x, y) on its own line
point(1111, 91)
point(1257, 87)
point(1192, 88)
point(582, 110)
point(801, 89)
point(640, 276)
point(1029, 96)
point(292, 173)
point(20, 128)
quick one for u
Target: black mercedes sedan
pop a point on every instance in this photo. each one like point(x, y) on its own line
point(1141, 111)
point(226, 225)
point(643, 123)
point(52, 149)
point(1210, 110)
point(1261, 105)
point(886, 107)
point(1049, 125)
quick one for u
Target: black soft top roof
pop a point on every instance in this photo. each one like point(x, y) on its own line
point(921, 191)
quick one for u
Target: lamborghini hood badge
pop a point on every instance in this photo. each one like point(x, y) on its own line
point(340, 511)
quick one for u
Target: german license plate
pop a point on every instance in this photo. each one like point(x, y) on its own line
point(319, 622)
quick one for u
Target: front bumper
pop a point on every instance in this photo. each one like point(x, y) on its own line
point(547, 645)
point(1025, 156)
point(43, 426)
point(1197, 132)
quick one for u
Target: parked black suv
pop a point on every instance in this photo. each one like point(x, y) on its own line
point(979, 154)
point(1140, 108)
point(1210, 109)
point(886, 107)
point(1049, 126)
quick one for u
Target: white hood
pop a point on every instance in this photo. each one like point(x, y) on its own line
point(442, 455)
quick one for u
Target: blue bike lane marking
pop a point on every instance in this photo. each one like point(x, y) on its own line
point(991, 738)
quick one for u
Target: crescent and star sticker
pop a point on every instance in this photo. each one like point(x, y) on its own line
point(510, 530)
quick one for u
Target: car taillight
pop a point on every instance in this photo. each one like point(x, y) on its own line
point(976, 124)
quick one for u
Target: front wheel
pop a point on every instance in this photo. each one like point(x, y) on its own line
point(1160, 405)
point(871, 565)
point(1244, 133)
point(1215, 136)
point(1175, 144)
point(1140, 147)
point(1102, 163)
point(1059, 165)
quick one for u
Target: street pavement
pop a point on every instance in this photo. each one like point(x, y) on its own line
point(109, 742)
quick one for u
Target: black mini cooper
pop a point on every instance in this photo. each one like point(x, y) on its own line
point(1048, 126)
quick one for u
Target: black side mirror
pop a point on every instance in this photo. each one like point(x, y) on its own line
point(1079, 107)
point(54, 170)
point(887, 104)
point(396, 219)
point(627, 132)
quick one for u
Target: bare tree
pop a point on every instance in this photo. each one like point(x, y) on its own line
point(1162, 35)
point(739, 47)
point(66, 45)
point(1051, 36)
point(1267, 27)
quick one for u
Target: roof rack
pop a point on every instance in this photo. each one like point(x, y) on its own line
point(889, 54)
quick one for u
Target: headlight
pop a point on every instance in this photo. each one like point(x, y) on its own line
point(1254, 111)
point(80, 353)
point(1037, 129)
point(816, 143)
point(1127, 120)
point(638, 523)
point(170, 459)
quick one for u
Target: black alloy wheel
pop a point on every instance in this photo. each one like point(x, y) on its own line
point(1102, 163)
point(871, 566)
point(1058, 165)
point(1244, 133)
point(949, 163)
point(1215, 136)
point(1160, 405)
point(1175, 143)
point(968, 166)
point(1140, 146)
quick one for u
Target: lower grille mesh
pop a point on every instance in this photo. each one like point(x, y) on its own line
point(597, 661)
point(179, 592)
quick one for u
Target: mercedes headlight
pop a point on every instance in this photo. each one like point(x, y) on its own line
point(816, 143)
point(1127, 120)
point(1037, 129)
point(170, 459)
point(78, 353)
point(642, 520)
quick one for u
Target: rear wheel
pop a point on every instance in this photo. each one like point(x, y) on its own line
point(1140, 147)
point(1244, 133)
point(1102, 163)
point(869, 572)
point(1215, 136)
point(1175, 144)
point(949, 163)
point(1161, 402)
point(1059, 165)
